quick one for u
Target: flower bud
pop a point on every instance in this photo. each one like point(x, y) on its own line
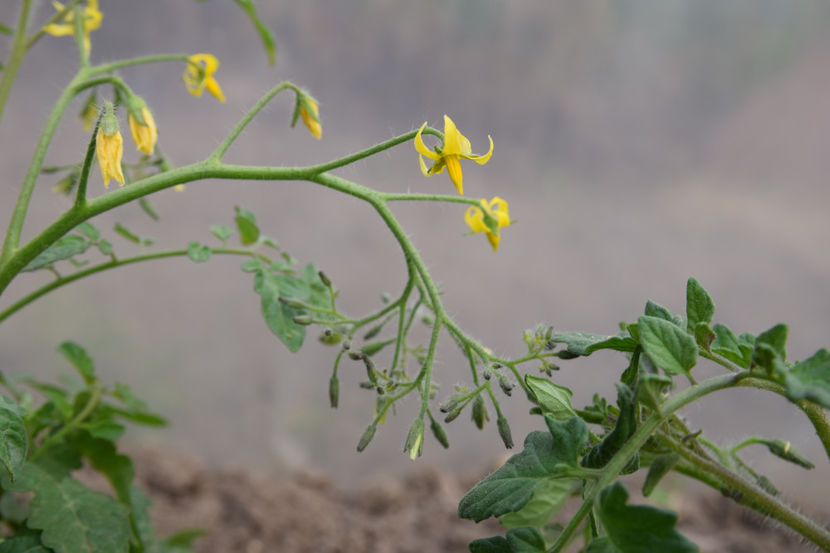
point(324, 278)
point(303, 320)
point(310, 114)
point(334, 391)
point(371, 371)
point(505, 384)
point(438, 432)
point(109, 147)
point(479, 412)
point(415, 439)
point(367, 436)
point(142, 125)
point(290, 302)
point(330, 337)
point(504, 432)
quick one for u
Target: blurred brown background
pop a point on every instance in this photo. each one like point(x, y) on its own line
point(638, 143)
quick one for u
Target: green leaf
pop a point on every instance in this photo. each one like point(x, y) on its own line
point(810, 379)
point(105, 429)
point(124, 232)
point(770, 348)
point(525, 540)
point(197, 252)
point(496, 544)
point(704, 336)
point(667, 345)
point(699, 305)
point(23, 544)
point(600, 454)
point(222, 232)
point(77, 355)
point(270, 242)
point(278, 316)
point(246, 225)
point(656, 310)
point(73, 518)
point(148, 208)
point(546, 456)
point(143, 418)
point(729, 347)
point(104, 458)
point(318, 292)
point(88, 230)
point(105, 247)
point(553, 399)
point(128, 398)
point(546, 502)
point(64, 248)
point(584, 343)
point(638, 528)
point(265, 34)
point(13, 442)
point(252, 266)
point(6, 30)
point(660, 466)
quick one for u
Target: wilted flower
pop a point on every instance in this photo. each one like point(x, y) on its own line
point(109, 147)
point(198, 75)
point(489, 218)
point(145, 135)
point(456, 146)
point(312, 122)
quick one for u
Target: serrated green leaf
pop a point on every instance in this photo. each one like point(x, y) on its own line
point(88, 230)
point(124, 232)
point(57, 396)
point(600, 454)
point(770, 350)
point(105, 429)
point(584, 343)
point(252, 266)
point(148, 208)
point(553, 399)
point(270, 242)
point(659, 467)
point(13, 442)
point(13, 509)
point(810, 379)
point(546, 502)
point(197, 252)
point(23, 544)
point(318, 292)
point(278, 316)
point(64, 248)
point(73, 518)
point(496, 544)
point(667, 345)
point(525, 540)
point(79, 359)
point(140, 515)
point(143, 418)
point(265, 34)
point(656, 310)
point(222, 232)
point(728, 346)
point(704, 336)
point(638, 528)
point(102, 455)
point(246, 225)
point(699, 305)
point(546, 456)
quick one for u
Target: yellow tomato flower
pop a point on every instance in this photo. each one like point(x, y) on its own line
point(312, 123)
point(92, 20)
point(199, 75)
point(145, 136)
point(496, 212)
point(455, 147)
point(109, 149)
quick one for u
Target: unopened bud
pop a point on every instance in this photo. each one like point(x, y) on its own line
point(505, 385)
point(479, 412)
point(334, 391)
point(324, 278)
point(504, 432)
point(355, 355)
point(438, 432)
point(367, 436)
point(371, 372)
point(290, 302)
point(374, 331)
point(303, 320)
point(330, 337)
point(415, 439)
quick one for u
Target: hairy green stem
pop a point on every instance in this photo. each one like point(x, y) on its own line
point(16, 54)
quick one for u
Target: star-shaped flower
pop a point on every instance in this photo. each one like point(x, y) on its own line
point(92, 20)
point(489, 218)
point(456, 146)
point(199, 75)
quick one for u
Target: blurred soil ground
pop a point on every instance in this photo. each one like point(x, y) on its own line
point(248, 512)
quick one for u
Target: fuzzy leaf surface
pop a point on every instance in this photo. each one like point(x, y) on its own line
point(13, 443)
point(667, 345)
point(64, 248)
point(810, 379)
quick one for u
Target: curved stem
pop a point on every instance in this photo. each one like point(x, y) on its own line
point(55, 17)
point(63, 281)
point(16, 55)
point(240, 126)
point(109, 67)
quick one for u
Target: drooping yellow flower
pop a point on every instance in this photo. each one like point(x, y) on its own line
point(92, 20)
point(496, 211)
point(198, 75)
point(456, 146)
point(312, 123)
point(145, 136)
point(109, 147)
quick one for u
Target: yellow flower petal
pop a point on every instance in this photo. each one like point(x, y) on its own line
point(422, 148)
point(92, 20)
point(145, 136)
point(484, 158)
point(454, 169)
point(497, 209)
point(198, 75)
point(109, 150)
point(311, 123)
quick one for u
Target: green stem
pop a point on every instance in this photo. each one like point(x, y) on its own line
point(761, 500)
point(16, 55)
point(240, 126)
point(91, 404)
point(80, 198)
point(23, 302)
point(55, 17)
point(109, 67)
point(83, 54)
point(401, 341)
